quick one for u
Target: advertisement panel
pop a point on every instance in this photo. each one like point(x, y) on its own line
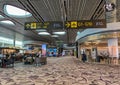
point(44, 48)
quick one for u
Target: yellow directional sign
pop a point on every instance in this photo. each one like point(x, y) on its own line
point(67, 24)
point(88, 24)
point(74, 24)
point(43, 25)
point(33, 26)
point(85, 24)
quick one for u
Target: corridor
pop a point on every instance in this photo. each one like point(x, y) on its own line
point(61, 71)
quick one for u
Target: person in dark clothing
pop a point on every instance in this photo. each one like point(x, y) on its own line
point(37, 60)
point(84, 57)
point(10, 60)
point(98, 58)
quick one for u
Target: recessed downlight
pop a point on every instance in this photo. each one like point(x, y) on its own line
point(78, 33)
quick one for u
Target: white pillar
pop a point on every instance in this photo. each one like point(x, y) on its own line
point(113, 48)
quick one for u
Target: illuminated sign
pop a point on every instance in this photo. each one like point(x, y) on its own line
point(68, 24)
point(43, 25)
point(44, 48)
point(86, 24)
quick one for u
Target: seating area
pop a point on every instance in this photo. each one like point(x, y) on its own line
point(7, 62)
point(33, 60)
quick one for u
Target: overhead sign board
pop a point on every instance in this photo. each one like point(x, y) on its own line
point(41, 25)
point(86, 24)
point(67, 24)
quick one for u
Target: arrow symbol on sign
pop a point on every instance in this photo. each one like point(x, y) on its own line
point(67, 24)
point(27, 25)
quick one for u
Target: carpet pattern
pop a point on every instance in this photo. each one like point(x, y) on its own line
point(61, 71)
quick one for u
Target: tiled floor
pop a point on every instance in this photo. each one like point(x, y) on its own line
point(61, 71)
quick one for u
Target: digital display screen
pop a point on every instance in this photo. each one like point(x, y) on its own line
point(44, 48)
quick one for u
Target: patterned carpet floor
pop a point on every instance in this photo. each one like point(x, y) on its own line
point(61, 71)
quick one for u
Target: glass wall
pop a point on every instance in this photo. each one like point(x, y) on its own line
point(6, 42)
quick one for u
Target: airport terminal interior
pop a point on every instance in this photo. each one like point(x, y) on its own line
point(59, 42)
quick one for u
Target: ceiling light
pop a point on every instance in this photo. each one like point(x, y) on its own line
point(78, 33)
point(15, 11)
point(7, 22)
point(1, 17)
point(59, 33)
point(41, 30)
point(54, 36)
point(44, 33)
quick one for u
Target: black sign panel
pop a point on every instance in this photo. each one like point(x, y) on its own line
point(68, 24)
point(86, 24)
point(41, 25)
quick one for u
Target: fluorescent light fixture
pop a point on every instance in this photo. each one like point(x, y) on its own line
point(41, 30)
point(59, 33)
point(16, 12)
point(44, 33)
point(1, 17)
point(54, 36)
point(7, 22)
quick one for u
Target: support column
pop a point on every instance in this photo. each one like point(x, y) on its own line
point(78, 50)
point(14, 44)
point(114, 12)
point(94, 54)
point(113, 50)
